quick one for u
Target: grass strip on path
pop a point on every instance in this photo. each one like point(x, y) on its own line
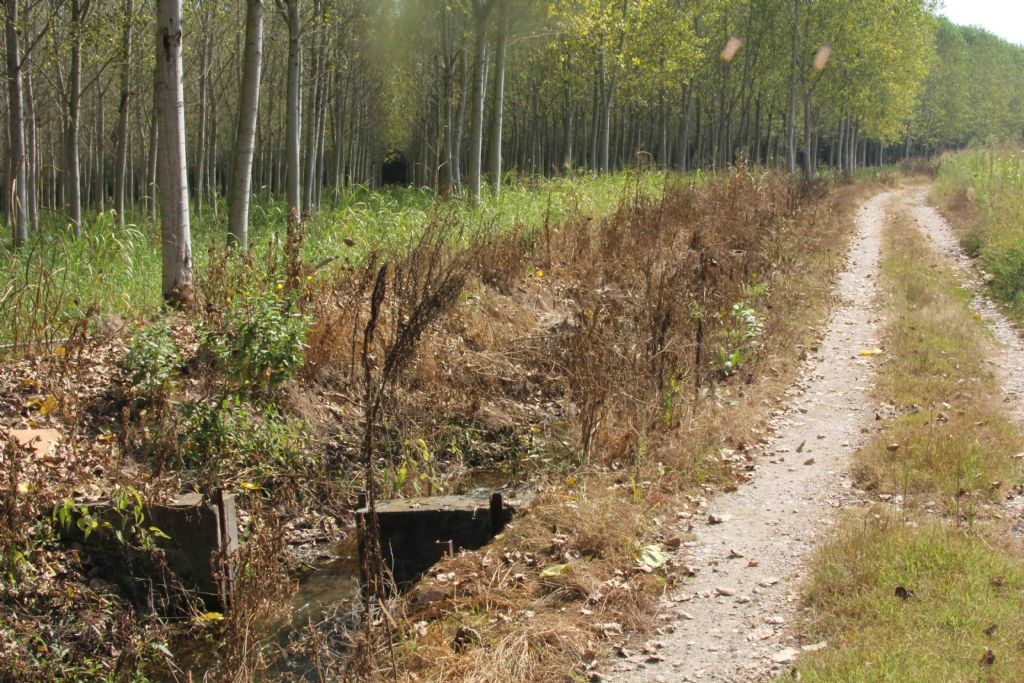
point(945, 436)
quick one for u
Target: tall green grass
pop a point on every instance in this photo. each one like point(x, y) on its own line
point(111, 271)
point(992, 182)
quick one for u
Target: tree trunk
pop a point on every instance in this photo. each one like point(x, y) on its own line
point(791, 107)
point(154, 149)
point(808, 137)
point(202, 158)
point(498, 102)
point(245, 138)
point(293, 134)
point(476, 132)
point(175, 237)
point(17, 196)
point(73, 192)
point(101, 179)
point(33, 172)
point(122, 113)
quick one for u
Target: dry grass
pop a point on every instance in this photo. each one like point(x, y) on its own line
point(607, 307)
point(955, 441)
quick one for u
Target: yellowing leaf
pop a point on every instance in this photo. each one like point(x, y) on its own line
point(60, 351)
point(556, 570)
point(48, 405)
point(651, 556)
point(211, 617)
point(570, 481)
point(871, 352)
point(249, 486)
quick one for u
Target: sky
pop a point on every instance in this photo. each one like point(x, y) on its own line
point(1005, 18)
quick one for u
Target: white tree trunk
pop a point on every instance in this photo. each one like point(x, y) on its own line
point(476, 132)
point(16, 129)
point(499, 103)
point(73, 191)
point(121, 161)
point(293, 133)
point(175, 234)
point(245, 140)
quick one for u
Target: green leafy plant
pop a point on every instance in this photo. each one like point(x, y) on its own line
point(232, 433)
point(740, 331)
point(261, 339)
point(129, 525)
point(417, 469)
point(153, 359)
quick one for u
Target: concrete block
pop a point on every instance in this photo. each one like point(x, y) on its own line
point(417, 532)
point(203, 535)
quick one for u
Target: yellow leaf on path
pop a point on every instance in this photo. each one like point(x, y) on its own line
point(60, 351)
point(871, 352)
point(556, 570)
point(249, 486)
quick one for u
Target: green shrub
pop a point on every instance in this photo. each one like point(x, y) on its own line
point(152, 359)
point(261, 339)
point(231, 434)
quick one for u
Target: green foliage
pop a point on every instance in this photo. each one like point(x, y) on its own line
point(129, 527)
point(972, 93)
point(230, 434)
point(417, 470)
point(260, 339)
point(740, 331)
point(49, 285)
point(152, 359)
point(989, 185)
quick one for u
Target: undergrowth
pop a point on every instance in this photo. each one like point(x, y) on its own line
point(619, 362)
point(113, 273)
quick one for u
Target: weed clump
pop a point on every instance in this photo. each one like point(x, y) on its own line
point(259, 341)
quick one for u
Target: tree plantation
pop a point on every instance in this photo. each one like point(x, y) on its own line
point(510, 340)
point(304, 99)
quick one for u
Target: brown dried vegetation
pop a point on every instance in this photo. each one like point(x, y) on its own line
point(585, 358)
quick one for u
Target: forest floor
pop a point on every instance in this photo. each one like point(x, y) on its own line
point(743, 615)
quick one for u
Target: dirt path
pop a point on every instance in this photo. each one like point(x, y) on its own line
point(1008, 355)
point(730, 622)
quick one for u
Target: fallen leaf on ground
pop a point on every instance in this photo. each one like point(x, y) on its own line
point(556, 570)
point(651, 556)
